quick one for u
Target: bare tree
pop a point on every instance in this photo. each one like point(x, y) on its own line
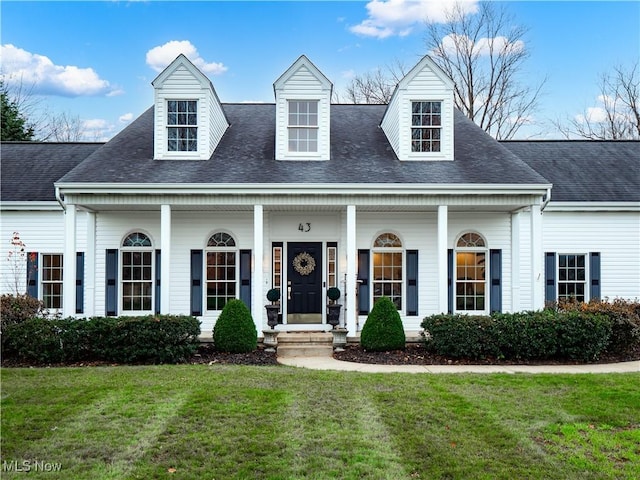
point(618, 115)
point(63, 127)
point(484, 54)
point(377, 86)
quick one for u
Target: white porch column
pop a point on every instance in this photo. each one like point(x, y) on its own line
point(537, 262)
point(69, 263)
point(351, 298)
point(257, 300)
point(90, 267)
point(443, 281)
point(165, 259)
point(515, 262)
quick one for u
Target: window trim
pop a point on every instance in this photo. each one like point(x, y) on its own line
point(398, 249)
point(168, 126)
point(42, 282)
point(427, 154)
point(290, 127)
point(121, 280)
point(484, 249)
point(205, 278)
point(587, 276)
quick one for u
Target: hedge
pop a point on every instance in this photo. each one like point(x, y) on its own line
point(567, 333)
point(148, 339)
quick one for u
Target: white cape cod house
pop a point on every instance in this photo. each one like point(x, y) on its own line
point(197, 202)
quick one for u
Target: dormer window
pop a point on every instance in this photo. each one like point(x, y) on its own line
point(426, 126)
point(303, 126)
point(182, 129)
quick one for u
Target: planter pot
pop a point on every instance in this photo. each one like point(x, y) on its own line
point(339, 338)
point(270, 340)
point(272, 315)
point(333, 314)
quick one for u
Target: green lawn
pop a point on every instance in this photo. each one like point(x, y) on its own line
point(221, 422)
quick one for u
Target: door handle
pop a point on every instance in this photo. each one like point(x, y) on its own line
point(289, 293)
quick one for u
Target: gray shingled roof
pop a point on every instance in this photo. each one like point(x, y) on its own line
point(585, 170)
point(28, 169)
point(360, 153)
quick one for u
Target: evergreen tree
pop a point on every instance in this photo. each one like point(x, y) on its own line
point(14, 125)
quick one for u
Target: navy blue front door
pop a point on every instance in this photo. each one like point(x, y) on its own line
point(304, 282)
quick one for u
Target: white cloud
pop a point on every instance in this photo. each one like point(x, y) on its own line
point(39, 73)
point(161, 56)
point(126, 118)
point(97, 130)
point(399, 17)
point(452, 43)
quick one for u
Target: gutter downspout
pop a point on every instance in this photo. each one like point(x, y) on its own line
point(59, 199)
point(546, 200)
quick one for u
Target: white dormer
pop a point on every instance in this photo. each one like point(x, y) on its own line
point(189, 120)
point(418, 121)
point(303, 101)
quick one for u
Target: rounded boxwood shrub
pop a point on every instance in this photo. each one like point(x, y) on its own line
point(383, 329)
point(235, 331)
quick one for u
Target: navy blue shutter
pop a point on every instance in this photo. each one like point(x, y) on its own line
point(363, 282)
point(111, 277)
point(594, 276)
point(550, 277)
point(158, 275)
point(196, 282)
point(32, 274)
point(412, 282)
point(495, 276)
point(450, 279)
point(245, 277)
point(79, 282)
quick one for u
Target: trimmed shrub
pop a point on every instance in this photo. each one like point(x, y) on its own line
point(33, 340)
point(460, 336)
point(525, 335)
point(160, 339)
point(624, 316)
point(383, 329)
point(235, 331)
point(582, 336)
point(18, 308)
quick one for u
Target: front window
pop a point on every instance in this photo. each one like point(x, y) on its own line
point(52, 281)
point(387, 268)
point(221, 271)
point(572, 277)
point(426, 126)
point(137, 273)
point(471, 273)
point(182, 130)
point(303, 126)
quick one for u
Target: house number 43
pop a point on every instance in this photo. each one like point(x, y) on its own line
point(304, 227)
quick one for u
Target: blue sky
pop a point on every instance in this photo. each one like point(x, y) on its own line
point(97, 59)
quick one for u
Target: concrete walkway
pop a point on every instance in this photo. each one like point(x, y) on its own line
point(330, 363)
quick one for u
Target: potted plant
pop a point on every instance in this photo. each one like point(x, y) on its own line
point(273, 309)
point(333, 308)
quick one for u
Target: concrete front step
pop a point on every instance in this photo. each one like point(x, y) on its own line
point(303, 350)
point(305, 338)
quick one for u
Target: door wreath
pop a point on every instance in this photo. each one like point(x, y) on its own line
point(304, 263)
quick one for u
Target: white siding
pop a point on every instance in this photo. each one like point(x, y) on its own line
point(421, 85)
point(40, 231)
point(615, 235)
point(303, 84)
point(186, 84)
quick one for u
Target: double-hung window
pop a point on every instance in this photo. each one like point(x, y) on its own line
point(426, 126)
point(572, 277)
point(303, 125)
point(182, 125)
point(387, 268)
point(471, 273)
point(51, 280)
point(137, 273)
point(221, 270)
